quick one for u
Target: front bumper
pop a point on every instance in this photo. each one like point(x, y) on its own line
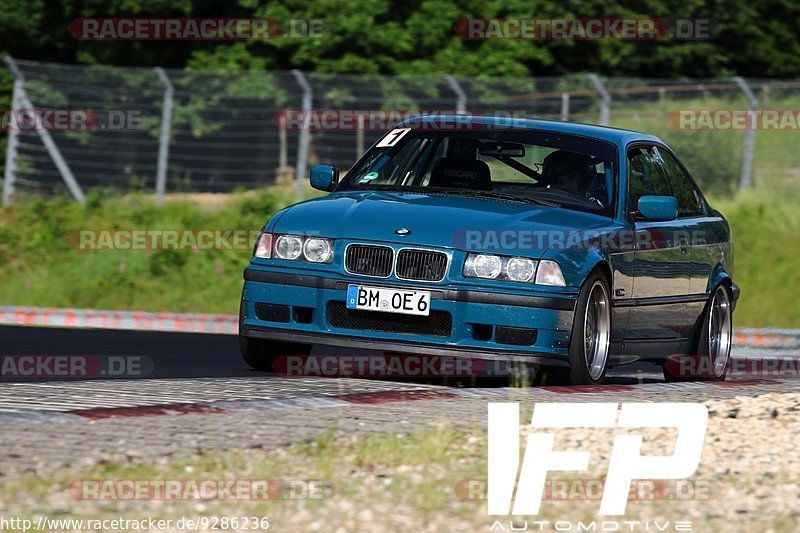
point(549, 314)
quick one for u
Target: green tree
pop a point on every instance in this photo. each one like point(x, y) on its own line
point(758, 38)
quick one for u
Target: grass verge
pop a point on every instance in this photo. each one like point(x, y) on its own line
point(40, 267)
point(393, 482)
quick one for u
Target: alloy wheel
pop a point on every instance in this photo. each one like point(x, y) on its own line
point(720, 324)
point(596, 330)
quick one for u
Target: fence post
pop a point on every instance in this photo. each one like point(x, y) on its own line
point(360, 136)
point(565, 106)
point(166, 130)
point(283, 152)
point(605, 99)
point(461, 96)
point(305, 139)
point(13, 143)
point(746, 177)
point(44, 135)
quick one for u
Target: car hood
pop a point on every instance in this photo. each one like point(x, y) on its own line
point(450, 221)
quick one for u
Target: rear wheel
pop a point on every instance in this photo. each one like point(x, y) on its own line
point(719, 334)
point(260, 354)
point(712, 350)
point(591, 333)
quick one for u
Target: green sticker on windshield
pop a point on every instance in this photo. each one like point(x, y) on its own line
point(368, 177)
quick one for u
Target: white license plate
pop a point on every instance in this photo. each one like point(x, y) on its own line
point(388, 300)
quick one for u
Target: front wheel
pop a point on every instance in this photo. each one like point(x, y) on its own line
point(591, 333)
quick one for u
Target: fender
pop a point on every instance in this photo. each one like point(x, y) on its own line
point(587, 250)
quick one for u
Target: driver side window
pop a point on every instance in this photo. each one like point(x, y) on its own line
point(645, 175)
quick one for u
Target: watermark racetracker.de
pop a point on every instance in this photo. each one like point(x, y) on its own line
point(55, 120)
point(734, 119)
point(37, 367)
point(161, 239)
point(742, 366)
point(200, 489)
point(396, 366)
point(196, 29)
point(626, 29)
point(566, 489)
point(514, 240)
point(328, 119)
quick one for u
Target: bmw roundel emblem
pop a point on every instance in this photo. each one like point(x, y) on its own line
point(402, 231)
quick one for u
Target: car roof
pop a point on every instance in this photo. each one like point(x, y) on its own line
point(615, 135)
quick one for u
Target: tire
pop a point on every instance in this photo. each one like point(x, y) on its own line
point(712, 344)
point(591, 334)
point(260, 354)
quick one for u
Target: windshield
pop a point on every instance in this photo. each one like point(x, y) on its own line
point(531, 166)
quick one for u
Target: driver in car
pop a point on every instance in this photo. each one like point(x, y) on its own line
point(570, 172)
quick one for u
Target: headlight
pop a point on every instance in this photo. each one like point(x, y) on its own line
point(289, 247)
point(489, 266)
point(520, 269)
point(263, 247)
point(295, 248)
point(317, 250)
point(549, 273)
point(483, 266)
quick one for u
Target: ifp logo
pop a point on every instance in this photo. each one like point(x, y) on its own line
point(625, 464)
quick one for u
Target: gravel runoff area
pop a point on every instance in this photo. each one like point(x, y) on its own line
point(748, 478)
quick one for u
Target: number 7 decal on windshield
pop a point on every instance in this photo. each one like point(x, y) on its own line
point(393, 137)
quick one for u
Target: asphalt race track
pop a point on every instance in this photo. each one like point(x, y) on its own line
point(177, 363)
point(189, 386)
point(175, 355)
point(188, 355)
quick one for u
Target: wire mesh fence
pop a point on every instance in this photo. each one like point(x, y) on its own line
point(186, 131)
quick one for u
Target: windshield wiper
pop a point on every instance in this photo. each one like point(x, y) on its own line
point(501, 196)
point(462, 192)
point(389, 188)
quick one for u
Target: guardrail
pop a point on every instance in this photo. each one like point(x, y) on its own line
point(127, 320)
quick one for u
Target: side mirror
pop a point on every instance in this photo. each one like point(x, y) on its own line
point(324, 177)
point(658, 208)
